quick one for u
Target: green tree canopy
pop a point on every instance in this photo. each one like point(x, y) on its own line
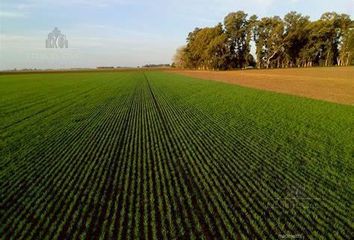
point(293, 41)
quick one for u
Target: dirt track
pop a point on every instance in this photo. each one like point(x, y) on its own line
point(334, 84)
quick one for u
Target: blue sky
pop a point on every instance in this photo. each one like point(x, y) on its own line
point(123, 32)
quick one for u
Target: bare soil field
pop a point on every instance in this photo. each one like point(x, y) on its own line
point(334, 84)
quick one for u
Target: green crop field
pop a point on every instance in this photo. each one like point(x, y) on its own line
point(153, 155)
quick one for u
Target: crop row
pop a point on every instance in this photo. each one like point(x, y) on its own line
point(146, 158)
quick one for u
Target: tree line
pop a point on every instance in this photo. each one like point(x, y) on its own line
point(292, 41)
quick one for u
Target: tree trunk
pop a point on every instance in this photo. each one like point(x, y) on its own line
point(327, 59)
point(348, 58)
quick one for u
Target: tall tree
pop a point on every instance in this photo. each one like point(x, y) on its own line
point(206, 48)
point(295, 36)
point(179, 59)
point(191, 56)
point(288, 42)
point(216, 53)
point(331, 41)
point(268, 36)
point(238, 32)
point(346, 36)
point(347, 48)
point(334, 28)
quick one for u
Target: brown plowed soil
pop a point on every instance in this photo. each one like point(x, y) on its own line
point(334, 84)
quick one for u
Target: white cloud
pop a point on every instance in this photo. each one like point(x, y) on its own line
point(8, 14)
point(29, 4)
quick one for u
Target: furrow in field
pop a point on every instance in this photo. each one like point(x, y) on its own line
point(212, 156)
point(79, 109)
point(204, 117)
point(147, 156)
point(60, 178)
point(29, 160)
point(202, 205)
point(56, 169)
point(42, 130)
point(91, 188)
point(48, 109)
point(107, 190)
point(182, 208)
